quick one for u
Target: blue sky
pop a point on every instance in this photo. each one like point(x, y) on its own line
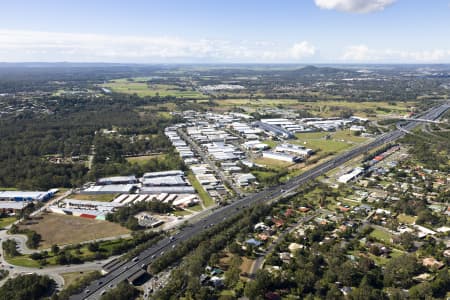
point(299, 31)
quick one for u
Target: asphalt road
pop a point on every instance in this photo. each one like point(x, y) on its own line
point(124, 270)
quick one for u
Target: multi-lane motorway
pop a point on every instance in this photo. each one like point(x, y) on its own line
point(124, 270)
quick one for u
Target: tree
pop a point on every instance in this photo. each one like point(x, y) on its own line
point(399, 271)
point(27, 287)
point(93, 247)
point(55, 249)
point(421, 291)
point(123, 291)
point(214, 259)
point(10, 248)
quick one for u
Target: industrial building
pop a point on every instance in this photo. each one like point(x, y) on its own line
point(25, 196)
point(86, 209)
point(274, 130)
point(167, 189)
point(109, 189)
point(244, 179)
point(12, 207)
point(163, 174)
point(255, 145)
point(117, 180)
point(281, 156)
point(295, 149)
point(350, 176)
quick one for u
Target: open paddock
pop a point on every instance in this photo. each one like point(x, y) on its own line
point(63, 230)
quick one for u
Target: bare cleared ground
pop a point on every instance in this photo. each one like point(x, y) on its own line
point(61, 229)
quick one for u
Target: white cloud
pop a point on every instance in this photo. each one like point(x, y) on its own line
point(354, 6)
point(51, 46)
point(358, 52)
point(302, 50)
point(362, 53)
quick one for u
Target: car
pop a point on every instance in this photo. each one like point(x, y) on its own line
point(111, 285)
point(100, 282)
point(103, 292)
point(125, 268)
point(87, 291)
point(135, 259)
point(153, 256)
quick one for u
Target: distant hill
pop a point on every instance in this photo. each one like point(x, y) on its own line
point(318, 71)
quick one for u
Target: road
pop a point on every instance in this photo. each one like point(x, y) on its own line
point(124, 270)
point(212, 165)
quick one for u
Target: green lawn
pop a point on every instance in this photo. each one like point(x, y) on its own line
point(381, 235)
point(7, 189)
point(270, 143)
point(207, 200)
point(406, 219)
point(7, 221)
point(99, 197)
point(143, 89)
point(197, 207)
point(23, 261)
point(179, 213)
point(26, 261)
point(348, 136)
point(336, 142)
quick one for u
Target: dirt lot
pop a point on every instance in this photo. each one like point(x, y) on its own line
point(62, 230)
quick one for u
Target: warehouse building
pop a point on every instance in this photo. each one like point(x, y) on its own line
point(350, 176)
point(163, 174)
point(167, 189)
point(109, 189)
point(298, 150)
point(117, 180)
point(25, 196)
point(12, 207)
point(274, 130)
point(281, 156)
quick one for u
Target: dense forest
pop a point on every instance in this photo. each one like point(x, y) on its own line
point(71, 132)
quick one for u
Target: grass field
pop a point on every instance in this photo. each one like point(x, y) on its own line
point(381, 235)
point(62, 230)
point(406, 219)
point(141, 160)
point(23, 261)
point(324, 108)
point(74, 277)
point(272, 163)
point(142, 88)
point(7, 221)
point(336, 142)
point(8, 189)
point(51, 259)
point(270, 143)
point(207, 200)
point(100, 197)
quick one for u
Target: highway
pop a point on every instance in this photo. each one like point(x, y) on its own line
point(123, 270)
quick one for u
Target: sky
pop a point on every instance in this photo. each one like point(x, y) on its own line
point(225, 31)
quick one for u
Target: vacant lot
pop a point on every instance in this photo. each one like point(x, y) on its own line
point(7, 221)
point(141, 160)
point(142, 88)
point(62, 230)
point(100, 197)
